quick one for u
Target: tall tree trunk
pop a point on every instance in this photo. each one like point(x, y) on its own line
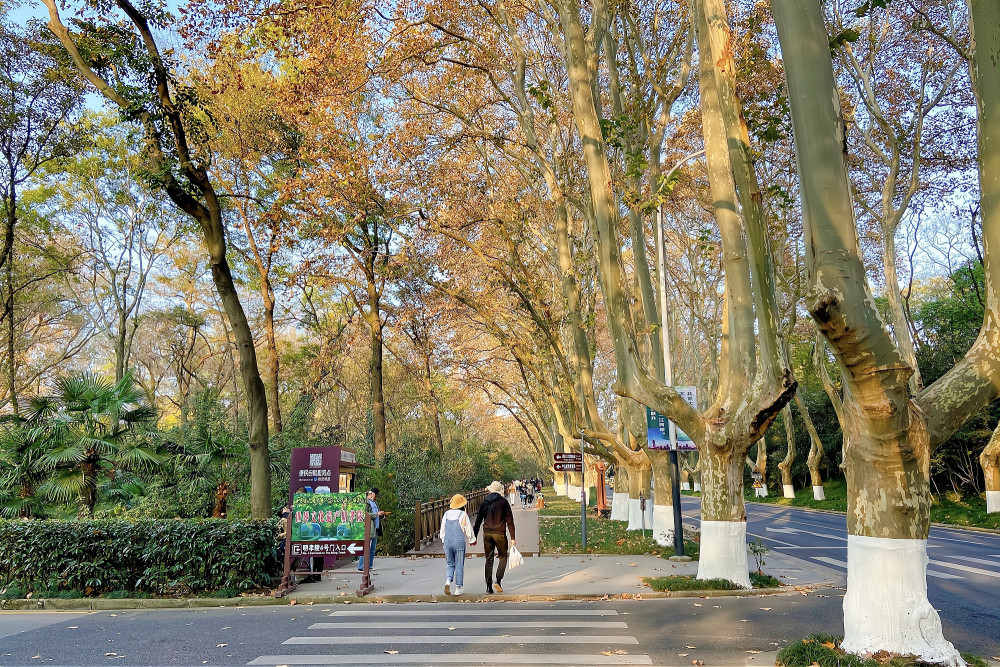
point(989, 459)
point(619, 501)
point(787, 487)
point(376, 386)
point(663, 504)
point(207, 211)
point(8, 265)
point(815, 450)
point(272, 348)
point(435, 412)
point(724, 518)
point(890, 433)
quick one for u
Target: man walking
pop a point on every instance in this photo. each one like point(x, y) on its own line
point(497, 520)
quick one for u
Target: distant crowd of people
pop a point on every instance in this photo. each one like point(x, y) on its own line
point(525, 490)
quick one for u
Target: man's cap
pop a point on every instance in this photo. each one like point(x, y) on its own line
point(374, 490)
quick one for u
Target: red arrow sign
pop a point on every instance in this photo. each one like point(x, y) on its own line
point(562, 466)
point(573, 457)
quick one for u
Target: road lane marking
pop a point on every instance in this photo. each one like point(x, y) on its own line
point(843, 564)
point(466, 639)
point(791, 531)
point(966, 568)
point(455, 659)
point(459, 611)
point(484, 625)
point(981, 561)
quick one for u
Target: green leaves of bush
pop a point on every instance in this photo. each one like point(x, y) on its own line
point(158, 557)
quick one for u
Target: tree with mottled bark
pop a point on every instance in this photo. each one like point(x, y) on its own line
point(890, 430)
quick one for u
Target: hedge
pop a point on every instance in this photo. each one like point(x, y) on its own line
point(181, 556)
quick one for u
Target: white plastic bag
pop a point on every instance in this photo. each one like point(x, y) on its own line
point(514, 558)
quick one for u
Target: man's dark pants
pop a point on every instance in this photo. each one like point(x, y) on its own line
point(497, 542)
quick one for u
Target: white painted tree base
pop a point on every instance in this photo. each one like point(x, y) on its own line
point(789, 490)
point(619, 507)
point(573, 492)
point(685, 486)
point(663, 525)
point(886, 607)
point(637, 519)
point(697, 487)
point(819, 493)
point(992, 501)
point(761, 492)
point(723, 552)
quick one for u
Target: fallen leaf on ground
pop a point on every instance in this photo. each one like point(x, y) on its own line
point(752, 651)
point(697, 662)
point(697, 604)
point(765, 608)
point(220, 645)
point(682, 654)
point(293, 602)
point(690, 647)
point(391, 652)
point(829, 645)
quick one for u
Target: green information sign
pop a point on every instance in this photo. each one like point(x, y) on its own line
point(328, 524)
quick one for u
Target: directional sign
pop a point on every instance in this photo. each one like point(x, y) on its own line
point(327, 548)
point(571, 457)
point(328, 524)
point(567, 466)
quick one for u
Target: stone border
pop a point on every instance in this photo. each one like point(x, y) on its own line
point(114, 604)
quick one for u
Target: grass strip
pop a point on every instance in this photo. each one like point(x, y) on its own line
point(824, 650)
point(689, 583)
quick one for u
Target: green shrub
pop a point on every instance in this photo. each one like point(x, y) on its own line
point(158, 557)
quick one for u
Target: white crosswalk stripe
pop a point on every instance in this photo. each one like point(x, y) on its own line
point(520, 636)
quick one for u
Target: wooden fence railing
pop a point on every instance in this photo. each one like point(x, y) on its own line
point(427, 517)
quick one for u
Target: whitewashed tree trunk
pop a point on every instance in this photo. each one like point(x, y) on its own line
point(989, 459)
point(890, 433)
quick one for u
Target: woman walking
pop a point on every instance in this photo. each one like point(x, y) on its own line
point(456, 530)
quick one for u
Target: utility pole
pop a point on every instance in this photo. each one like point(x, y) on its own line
point(675, 477)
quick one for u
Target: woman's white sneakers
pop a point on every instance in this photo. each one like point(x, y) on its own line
point(458, 590)
point(447, 587)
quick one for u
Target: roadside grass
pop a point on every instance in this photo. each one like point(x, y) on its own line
point(948, 508)
point(604, 536)
point(689, 583)
point(558, 505)
point(824, 650)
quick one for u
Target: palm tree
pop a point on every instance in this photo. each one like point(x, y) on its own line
point(21, 472)
point(92, 427)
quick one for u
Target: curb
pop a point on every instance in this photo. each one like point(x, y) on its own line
point(105, 604)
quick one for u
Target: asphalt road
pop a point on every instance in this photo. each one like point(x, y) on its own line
point(963, 578)
point(715, 631)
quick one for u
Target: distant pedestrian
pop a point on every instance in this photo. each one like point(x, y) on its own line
point(497, 520)
point(456, 530)
point(524, 495)
point(376, 531)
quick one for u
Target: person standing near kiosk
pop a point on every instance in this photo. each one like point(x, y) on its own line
point(376, 514)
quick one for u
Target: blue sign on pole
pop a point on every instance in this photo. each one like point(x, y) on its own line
point(658, 426)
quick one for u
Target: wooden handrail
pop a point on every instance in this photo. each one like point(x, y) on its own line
point(428, 513)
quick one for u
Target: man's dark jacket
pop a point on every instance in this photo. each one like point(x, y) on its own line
point(495, 514)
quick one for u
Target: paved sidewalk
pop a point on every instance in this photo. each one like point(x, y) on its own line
point(540, 578)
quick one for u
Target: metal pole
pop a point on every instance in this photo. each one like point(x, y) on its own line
point(583, 500)
point(668, 370)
